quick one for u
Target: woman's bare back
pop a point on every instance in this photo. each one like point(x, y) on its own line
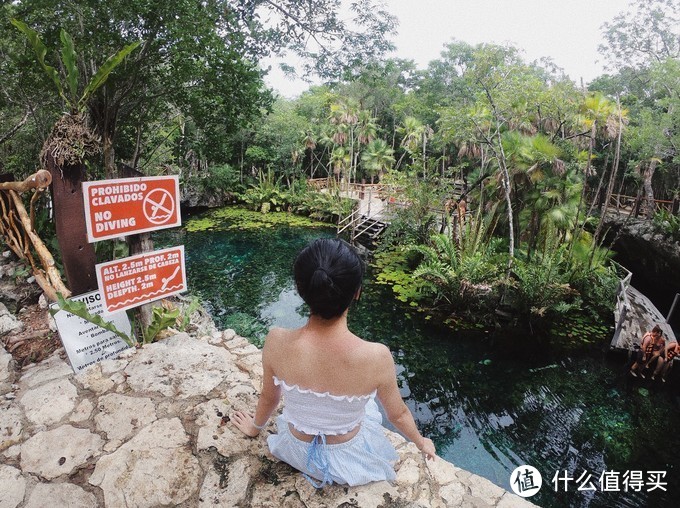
point(330, 360)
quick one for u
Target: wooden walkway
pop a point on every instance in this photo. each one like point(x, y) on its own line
point(635, 315)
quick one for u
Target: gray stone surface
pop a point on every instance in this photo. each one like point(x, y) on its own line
point(120, 416)
point(60, 494)
point(8, 323)
point(12, 487)
point(154, 468)
point(50, 402)
point(58, 452)
point(197, 372)
point(6, 370)
point(11, 424)
point(52, 368)
point(152, 429)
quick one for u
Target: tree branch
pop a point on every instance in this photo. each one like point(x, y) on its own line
point(14, 129)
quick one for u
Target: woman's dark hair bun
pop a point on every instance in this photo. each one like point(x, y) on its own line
point(328, 274)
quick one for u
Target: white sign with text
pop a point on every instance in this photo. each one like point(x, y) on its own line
point(86, 343)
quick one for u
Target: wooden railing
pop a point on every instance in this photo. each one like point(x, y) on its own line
point(622, 302)
point(635, 204)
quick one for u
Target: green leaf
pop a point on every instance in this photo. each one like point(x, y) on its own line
point(103, 72)
point(40, 52)
point(68, 57)
point(162, 319)
point(80, 309)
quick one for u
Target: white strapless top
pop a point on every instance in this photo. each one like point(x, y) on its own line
point(322, 413)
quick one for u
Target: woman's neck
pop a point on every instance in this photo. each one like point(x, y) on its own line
point(318, 323)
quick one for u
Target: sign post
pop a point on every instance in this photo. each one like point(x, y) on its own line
point(126, 206)
point(135, 280)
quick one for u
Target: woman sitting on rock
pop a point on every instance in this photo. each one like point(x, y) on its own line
point(330, 428)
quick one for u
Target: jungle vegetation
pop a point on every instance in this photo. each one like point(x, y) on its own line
point(536, 154)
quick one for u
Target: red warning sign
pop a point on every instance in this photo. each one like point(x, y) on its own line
point(126, 206)
point(136, 280)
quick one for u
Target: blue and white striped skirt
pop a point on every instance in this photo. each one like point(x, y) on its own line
point(367, 457)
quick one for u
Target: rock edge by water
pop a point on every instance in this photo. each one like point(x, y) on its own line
point(151, 429)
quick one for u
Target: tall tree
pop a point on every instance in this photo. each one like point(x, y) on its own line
point(200, 57)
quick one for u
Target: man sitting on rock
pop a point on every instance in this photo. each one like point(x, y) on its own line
point(653, 345)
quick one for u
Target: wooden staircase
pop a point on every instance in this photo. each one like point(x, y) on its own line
point(361, 227)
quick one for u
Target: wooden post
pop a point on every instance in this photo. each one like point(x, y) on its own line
point(77, 254)
point(138, 244)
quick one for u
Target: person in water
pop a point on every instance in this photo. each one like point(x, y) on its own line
point(653, 344)
point(666, 360)
point(330, 428)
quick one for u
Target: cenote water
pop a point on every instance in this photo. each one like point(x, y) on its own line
point(488, 405)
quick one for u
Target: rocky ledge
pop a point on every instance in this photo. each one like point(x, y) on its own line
point(152, 429)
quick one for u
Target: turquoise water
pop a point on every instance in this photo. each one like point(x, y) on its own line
point(490, 404)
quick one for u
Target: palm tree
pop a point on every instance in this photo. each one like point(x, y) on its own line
point(411, 132)
point(377, 157)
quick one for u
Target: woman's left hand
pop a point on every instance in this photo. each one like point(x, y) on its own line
point(245, 422)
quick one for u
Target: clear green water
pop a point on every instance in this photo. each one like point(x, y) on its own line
point(488, 403)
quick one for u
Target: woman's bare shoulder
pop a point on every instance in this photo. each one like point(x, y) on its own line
point(375, 351)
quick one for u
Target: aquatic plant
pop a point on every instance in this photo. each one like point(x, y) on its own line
point(235, 218)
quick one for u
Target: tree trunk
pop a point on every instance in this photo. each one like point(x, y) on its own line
point(612, 179)
point(77, 253)
point(109, 156)
point(649, 206)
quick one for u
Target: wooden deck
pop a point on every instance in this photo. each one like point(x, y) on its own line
point(635, 315)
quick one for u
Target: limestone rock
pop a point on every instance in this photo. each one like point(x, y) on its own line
point(60, 494)
point(154, 468)
point(47, 370)
point(178, 367)
point(50, 402)
point(120, 416)
point(8, 323)
point(83, 411)
point(6, 366)
point(94, 380)
point(483, 488)
point(60, 451)
point(229, 487)
point(215, 430)
point(12, 487)
point(11, 425)
point(510, 500)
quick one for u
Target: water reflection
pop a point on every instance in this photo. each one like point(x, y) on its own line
point(487, 407)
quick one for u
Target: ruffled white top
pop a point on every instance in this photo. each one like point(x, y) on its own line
point(322, 413)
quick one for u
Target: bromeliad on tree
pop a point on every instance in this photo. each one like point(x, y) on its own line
point(66, 150)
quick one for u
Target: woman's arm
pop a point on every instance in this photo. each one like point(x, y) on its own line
point(397, 412)
point(269, 397)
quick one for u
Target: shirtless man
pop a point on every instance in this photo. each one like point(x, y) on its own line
point(653, 345)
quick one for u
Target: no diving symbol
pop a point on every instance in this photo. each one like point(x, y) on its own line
point(159, 206)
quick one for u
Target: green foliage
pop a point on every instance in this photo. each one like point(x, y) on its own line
point(464, 273)
point(80, 309)
point(268, 194)
point(394, 268)
point(233, 218)
point(184, 319)
point(69, 63)
point(40, 51)
point(667, 224)
point(162, 319)
point(217, 178)
point(415, 223)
